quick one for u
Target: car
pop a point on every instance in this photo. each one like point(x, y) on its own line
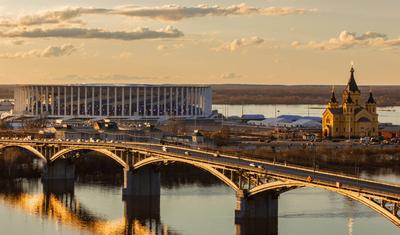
point(216, 155)
point(252, 165)
point(338, 185)
point(165, 149)
point(260, 167)
point(187, 153)
point(309, 179)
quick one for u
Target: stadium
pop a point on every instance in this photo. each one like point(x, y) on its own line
point(113, 101)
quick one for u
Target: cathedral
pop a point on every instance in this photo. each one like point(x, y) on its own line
point(351, 118)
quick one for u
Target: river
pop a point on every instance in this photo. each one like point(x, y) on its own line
point(187, 206)
point(386, 114)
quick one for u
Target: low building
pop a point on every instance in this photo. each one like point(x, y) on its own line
point(388, 131)
point(290, 121)
point(197, 137)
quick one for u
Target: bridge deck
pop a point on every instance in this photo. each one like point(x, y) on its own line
point(384, 189)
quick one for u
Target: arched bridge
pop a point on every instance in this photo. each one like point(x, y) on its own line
point(257, 183)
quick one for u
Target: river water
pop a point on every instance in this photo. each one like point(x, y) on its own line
point(386, 114)
point(185, 207)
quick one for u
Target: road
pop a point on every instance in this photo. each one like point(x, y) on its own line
point(296, 173)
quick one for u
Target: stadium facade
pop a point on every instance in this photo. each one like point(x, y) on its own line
point(113, 101)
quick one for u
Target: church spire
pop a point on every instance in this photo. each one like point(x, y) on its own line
point(349, 100)
point(352, 85)
point(371, 99)
point(333, 97)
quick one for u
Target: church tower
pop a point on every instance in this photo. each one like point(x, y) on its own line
point(371, 104)
point(348, 112)
point(352, 89)
point(351, 118)
point(333, 101)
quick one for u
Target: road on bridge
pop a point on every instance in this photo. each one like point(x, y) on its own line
point(296, 173)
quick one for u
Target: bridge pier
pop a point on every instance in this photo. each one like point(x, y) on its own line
point(61, 169)
point(142, 182)
point(262, 206)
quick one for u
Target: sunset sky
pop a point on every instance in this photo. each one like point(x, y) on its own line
point(157, 41)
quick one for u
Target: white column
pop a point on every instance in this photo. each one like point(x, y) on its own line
point(137, 101)
point(46, 98)
point(35, 100)
point(123, 102)
point(65, 101)
point(202, 101)
point(187, 102)
point(41, 99)
point(197, 101)
point(100, 101)
point(182, 101)
point(170, 101)
point(144, 102)
point(58, 101)
point(79, 100)
point(86, 109)
point(115, 102)
point(72, 101)
point(108, 101)
point(165, 102)
point(93, 101)
point(151, 101)
point(52, 100)
point(158, 101)
point(130, 101)
point(177, 101)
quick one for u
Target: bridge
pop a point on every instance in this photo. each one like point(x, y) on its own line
point(257, 183)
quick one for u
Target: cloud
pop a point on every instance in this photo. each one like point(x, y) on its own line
point(230, 76)
point(163, 13)
point(84, 33)
point(176, 12)
point(164, 47)
point(51, 51)
point(123, 56)
point(347, 40)
point(239, 44)
point(48, 17)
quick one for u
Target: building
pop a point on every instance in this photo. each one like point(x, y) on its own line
point(291, 121)
point(388, 130)
point(350, 119)
point(113, 101)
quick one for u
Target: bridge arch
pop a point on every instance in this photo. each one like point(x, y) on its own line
point(291, 185)
point(214, 172)
point(26, 147)
point(102, 151)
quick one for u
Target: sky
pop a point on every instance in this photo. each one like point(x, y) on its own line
point(199, 42)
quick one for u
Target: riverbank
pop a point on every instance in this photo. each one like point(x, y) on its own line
point(296, 94)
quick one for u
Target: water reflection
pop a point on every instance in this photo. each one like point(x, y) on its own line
point(58, 203)
point(191, 202)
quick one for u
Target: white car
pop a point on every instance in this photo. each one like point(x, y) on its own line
point(260, 167)
point(252, 165)
point(187, 153)
point(165, 149)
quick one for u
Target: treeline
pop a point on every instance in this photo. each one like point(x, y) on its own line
point(6, 91)
point(297, 94)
